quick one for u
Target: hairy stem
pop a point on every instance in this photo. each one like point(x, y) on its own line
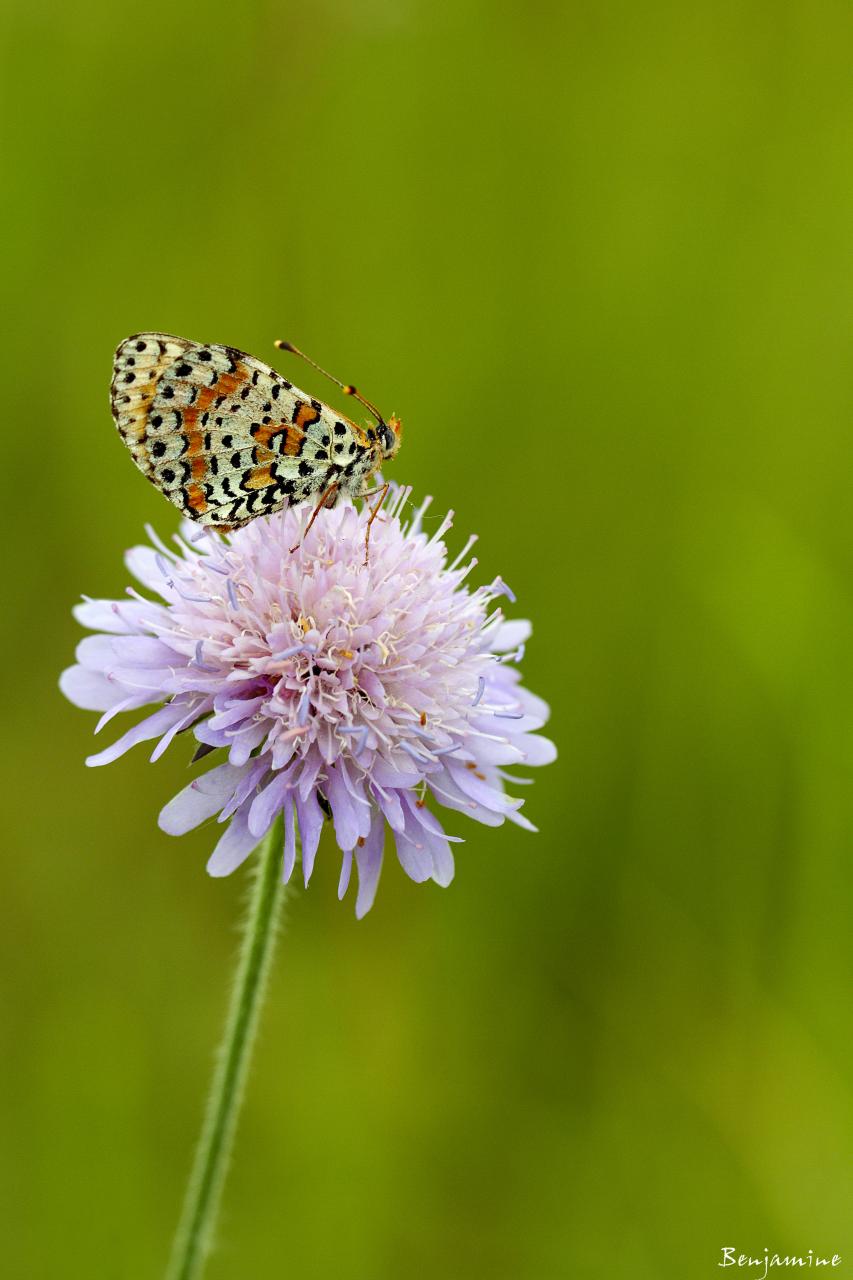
point(194, 1236)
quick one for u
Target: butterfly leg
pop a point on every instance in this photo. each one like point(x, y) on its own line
point(327, 492)
point(374, 512)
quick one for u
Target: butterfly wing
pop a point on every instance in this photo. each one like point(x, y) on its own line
point(223, 436)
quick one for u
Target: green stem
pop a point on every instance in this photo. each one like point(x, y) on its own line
point(194, 1236)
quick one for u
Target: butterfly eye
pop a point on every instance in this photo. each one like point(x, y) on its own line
point(387, 439)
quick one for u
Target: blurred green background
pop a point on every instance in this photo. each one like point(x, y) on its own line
point(599, 258)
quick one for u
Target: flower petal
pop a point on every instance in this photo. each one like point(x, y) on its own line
point(234, 847)
point(388, 775)
point(389, 803)
point(211, 737)
point(268, 803)
point(415, 858)
point(507, 720)
point(509, 635)
point(244, 741)
point(424, 827)
point(346, 869)
point(194, 708)
point(144, 564)
point(412, 850)
point(520, 821)
point(149, 728)
point(256, 770)
point(448, 794)
point(368, 857)
point(344, 811)
point(443, 866)
point(90, 690)
point(491, 751)
point(120, 617)
point(532, 705)
point(289, 840)
point(473, 783)
point(537, 750)
point(311, 819)
point(100, 653)
point(204, 797)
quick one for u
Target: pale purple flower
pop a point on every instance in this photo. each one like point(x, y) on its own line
point(334, 689)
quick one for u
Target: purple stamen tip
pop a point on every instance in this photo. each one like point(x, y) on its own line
point(232, 594)
point(199, 662)
point(509, 715)
point(481, 688)
point(515, 656)
point(187, 595)
point(293, 650)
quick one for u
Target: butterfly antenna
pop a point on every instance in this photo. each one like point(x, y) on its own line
point(346, 387)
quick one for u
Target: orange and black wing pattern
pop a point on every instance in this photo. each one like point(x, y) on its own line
point(226, 438)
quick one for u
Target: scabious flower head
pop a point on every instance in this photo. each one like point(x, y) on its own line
point(335, 689)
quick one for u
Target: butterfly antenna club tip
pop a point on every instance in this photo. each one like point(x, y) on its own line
point(347, 388)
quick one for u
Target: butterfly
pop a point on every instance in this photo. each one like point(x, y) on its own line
point(226, 438)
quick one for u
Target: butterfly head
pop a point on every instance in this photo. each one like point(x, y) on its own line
point(389, 434)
